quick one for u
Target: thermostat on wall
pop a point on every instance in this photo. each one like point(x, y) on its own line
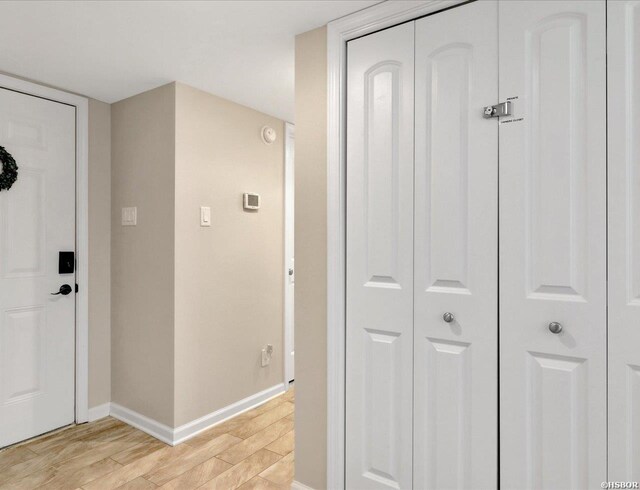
point(251, 201)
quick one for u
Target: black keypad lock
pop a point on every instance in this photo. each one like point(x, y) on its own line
point(66, 262)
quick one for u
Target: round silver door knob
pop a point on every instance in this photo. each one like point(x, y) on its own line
point(555, 327)
point(448, 317)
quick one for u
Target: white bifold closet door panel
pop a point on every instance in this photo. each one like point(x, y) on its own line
point(456, 249)
point(553, 386)
point(623, 18)
point(379, 343)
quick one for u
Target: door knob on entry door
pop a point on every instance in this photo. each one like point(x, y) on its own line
point(448, 317)
point(555, 327)
point(64, 290)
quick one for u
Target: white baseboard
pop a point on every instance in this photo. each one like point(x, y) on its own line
point(296, 485)
point(190, 429)
point(142, 422)
point(99, 412)
point(187, 431)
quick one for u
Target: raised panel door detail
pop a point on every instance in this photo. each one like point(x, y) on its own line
point(22, 342)
point(631, 443)
point(379, 265)
point(556, 191)
point(447, 160)
point(446, 420)
point(383, 395)
point(456, 261)
point(23, 241)
point(557, 422)
point(623, 72)
point(22, 132)
point(381, 173)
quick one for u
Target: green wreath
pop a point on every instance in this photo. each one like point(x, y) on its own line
point(9, 170)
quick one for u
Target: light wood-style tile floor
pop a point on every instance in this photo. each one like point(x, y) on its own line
point(251, 451)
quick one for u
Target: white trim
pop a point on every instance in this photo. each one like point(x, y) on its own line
point(296, 485)
point(190, 429)
point(142, 422)
point(340, 31)
point(289, 212)
point(180, 434)
point(82, 228)
point(99, 412)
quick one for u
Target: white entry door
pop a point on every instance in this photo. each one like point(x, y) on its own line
point(379, 343)
point(553, 321)
point(456, 250)
point(37, 221)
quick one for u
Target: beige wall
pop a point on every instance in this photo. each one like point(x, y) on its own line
point(142, 273)
point(193, 306)
point(230, 276)
point(311, 254)
point(99, 253)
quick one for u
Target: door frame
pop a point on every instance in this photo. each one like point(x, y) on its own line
point(289, 210)
point(81, 105)
point(339, 32)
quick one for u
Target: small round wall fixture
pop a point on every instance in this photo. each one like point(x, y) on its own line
point(268, 135)
point(9, 172)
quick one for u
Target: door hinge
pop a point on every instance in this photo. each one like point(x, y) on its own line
point(498, 110)
point(76, 288)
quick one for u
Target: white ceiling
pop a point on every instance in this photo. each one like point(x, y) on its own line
point(110, 50)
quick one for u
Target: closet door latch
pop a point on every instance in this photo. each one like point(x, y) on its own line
point(498, 110)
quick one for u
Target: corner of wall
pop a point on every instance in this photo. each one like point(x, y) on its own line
point(311, 258)
point(142, 287)
point(178, 319)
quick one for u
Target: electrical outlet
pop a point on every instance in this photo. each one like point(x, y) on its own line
point(267, 352)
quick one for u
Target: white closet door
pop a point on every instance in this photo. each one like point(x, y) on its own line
point(623, 18)
point(456, 256)
point(379, 340)
point(553, 387)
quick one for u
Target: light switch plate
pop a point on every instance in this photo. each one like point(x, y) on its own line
point(130, 216)
point(205, 216)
